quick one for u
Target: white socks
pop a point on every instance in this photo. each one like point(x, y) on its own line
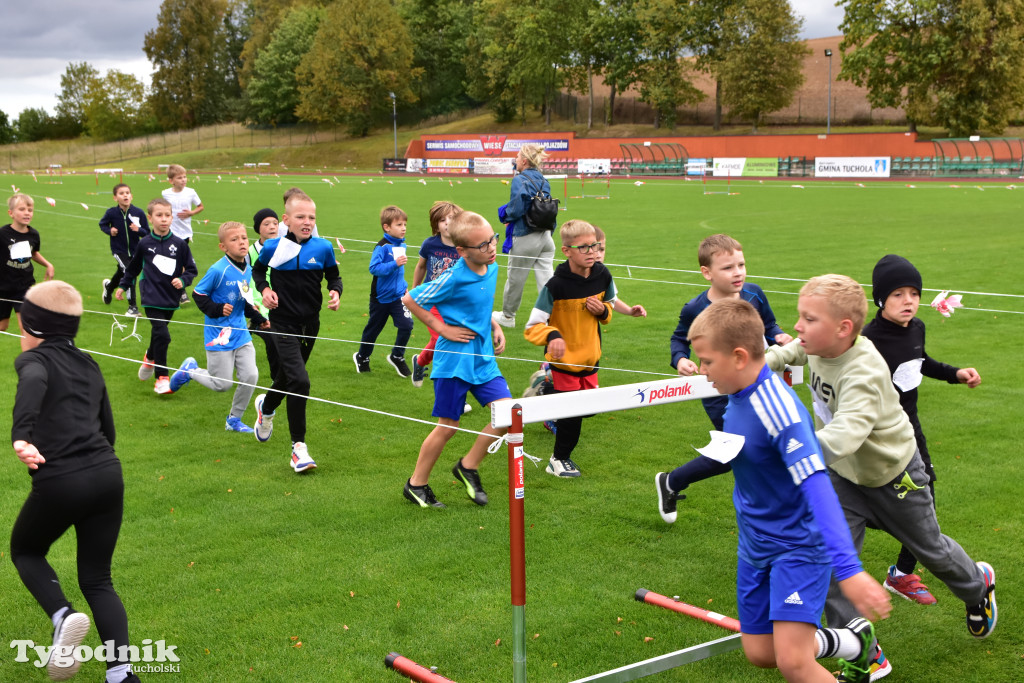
point(837, 642)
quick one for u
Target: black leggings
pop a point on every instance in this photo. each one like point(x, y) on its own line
point(293, 348)
point(92, 501)
point(159, 339)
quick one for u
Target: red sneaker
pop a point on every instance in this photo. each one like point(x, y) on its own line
point(909, 587)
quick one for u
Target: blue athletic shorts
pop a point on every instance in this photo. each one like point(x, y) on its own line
point(450, 395)
point(789, 589)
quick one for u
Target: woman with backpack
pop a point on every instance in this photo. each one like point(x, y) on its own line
point(532, 245)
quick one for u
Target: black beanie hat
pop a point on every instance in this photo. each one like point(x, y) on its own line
point(262, 215)
point(890, 273)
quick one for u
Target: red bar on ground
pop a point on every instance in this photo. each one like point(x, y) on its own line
point(652, 598)
point(409, 668)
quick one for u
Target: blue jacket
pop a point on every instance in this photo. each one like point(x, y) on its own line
point(126, 240)
point(524, 186)
point(388, 277)
point(155, 285)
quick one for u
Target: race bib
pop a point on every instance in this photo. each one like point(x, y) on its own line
point(723, 447)
point(821, 408)
point(21, 250)
point(908, 375)
point(286, 251)
point(164, 264)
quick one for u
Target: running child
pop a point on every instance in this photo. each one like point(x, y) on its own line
point(437, 254)
point(21, 247)
point(185, 203)
point(266, 225)
point(223, 296)
point(288, 273)
point(468, 339)
point(566, 320)
point(869, 447)
point(167, 268)
point(899, 336)
point(792, 536)
point(722, 264)
point(126, 224)
point(387, 265)
point(63, 431)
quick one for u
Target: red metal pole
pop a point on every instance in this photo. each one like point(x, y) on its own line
point(409, 668)
point(517, 542)
point(652, 598)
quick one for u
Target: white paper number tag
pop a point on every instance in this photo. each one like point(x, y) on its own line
point(164, 264)
point(723, 447)
point(821, 408)
point(397, 251)
point(21, 250)
point(908, 375)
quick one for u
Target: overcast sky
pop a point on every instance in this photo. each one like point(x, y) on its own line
point(41, 38)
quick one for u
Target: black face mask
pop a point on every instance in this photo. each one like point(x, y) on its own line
point(46, 324)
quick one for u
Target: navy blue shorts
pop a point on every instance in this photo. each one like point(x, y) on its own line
point(450, 395)
point(789, 589)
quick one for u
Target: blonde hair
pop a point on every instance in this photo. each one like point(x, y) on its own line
point(439, 211)
point(155, 202)
point(843, 296)
point(57, 296)
point(291, 192)
point(730, 324)
point(17, 198)
point(534, 154)
point(391, 213)
point(716, 244)
point(463, 224)
point(294, 197)
point(574, 228)
point(599, 234)
point(175, 170)
point(224, 228)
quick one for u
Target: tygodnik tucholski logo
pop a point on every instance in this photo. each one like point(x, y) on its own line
point(152, 657)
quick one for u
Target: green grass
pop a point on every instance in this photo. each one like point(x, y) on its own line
point(230, 556)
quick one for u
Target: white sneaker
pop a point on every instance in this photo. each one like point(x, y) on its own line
point(68, 635)
point(264, 426)
point(466, 408)
point(162, 386)
point(146, 369)
point(562, 468)
point(502, 319)
point(300, 458)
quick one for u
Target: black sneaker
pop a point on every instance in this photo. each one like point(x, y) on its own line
point(858, 670)
point(471, 480)
point(418, 372)
point(68, 635)
point(400, 366)
point(107, 292)
point(667, 498)
point(421, 495)
point(981, 618)
point(362, 364)
point(184, 298)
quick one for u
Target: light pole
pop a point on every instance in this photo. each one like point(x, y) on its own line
point(828, 119)
point(394, 119)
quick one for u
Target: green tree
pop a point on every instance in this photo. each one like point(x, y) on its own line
point(33, 124)
point(952, 63)
point(273, 89)
point(617, 46)
point(235, 30)
point(353, 66)
point(264, 17)
point(762, 73)
point(189, 82)
point(710, 43)
point(6, 130)
point(664, 77)
point(439, 30)
point(76, 85)
point(115, 106)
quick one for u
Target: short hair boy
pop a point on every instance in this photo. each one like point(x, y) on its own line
point(185, 202)
point(566, 320)
point(387, 265)
point(296, 264)
point(21, 242)
point(869, 447)
point(791, 533)
point(165, 262)
point(282, 228)
point(63, 431)
point(126, 224)
point(437, 254)
point(899, 336)
point(722, 264)
point(465, 358)
point(225, 298)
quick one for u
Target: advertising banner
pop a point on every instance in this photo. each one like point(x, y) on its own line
point(393, 165)
point(594, 166)
point(494, 166)
point(696, 166)
point(491, 145)
point(745, 166)
point(852, 167)
point(447, 165)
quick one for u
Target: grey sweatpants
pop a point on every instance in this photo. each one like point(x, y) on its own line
point(220, 365)
point(532, 251)
point(909, 517)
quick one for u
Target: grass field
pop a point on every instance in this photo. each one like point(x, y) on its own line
point(233, 558)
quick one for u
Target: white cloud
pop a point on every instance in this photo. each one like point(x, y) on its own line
point(821, 17)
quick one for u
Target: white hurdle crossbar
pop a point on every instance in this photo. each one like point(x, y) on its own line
point(656, 665)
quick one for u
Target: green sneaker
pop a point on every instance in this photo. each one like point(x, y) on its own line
point(471, 480)
point(859, 670)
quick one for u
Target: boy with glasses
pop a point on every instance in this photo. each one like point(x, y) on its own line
point(577, 298)
point(464, 359)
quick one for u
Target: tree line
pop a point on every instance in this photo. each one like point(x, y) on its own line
point(949, 63)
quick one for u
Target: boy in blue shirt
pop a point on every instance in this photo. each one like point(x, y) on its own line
point(792, 533)
point(297, 264)
point(126, 224)
point(387, 265)
point(224, 297)
point(722, 264)
point(464, 360)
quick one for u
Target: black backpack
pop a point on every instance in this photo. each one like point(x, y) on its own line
point(542, 213)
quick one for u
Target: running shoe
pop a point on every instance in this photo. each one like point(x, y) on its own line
point(908, 587)
point(667, 498)
point(880, 667)
point(981, 618)
point(466, 408)
point(68, 635)
point(162, 386)
point(471, 480)
point(146, 369)
point(183, 375)
point(184, 298)
point(562, 468)
point(235, 424)
point(108, 295)
point(301, 461)
point(418, 372)
point(859, 670)
point(362, 364)
point(133, 312)
point(264, 426)
point(422, 496)
point(551, 426)
point(400, 366)
point(502, 319)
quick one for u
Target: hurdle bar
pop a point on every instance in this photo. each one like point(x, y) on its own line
point(657, 665)
point(652, 598)
point(412, 670)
